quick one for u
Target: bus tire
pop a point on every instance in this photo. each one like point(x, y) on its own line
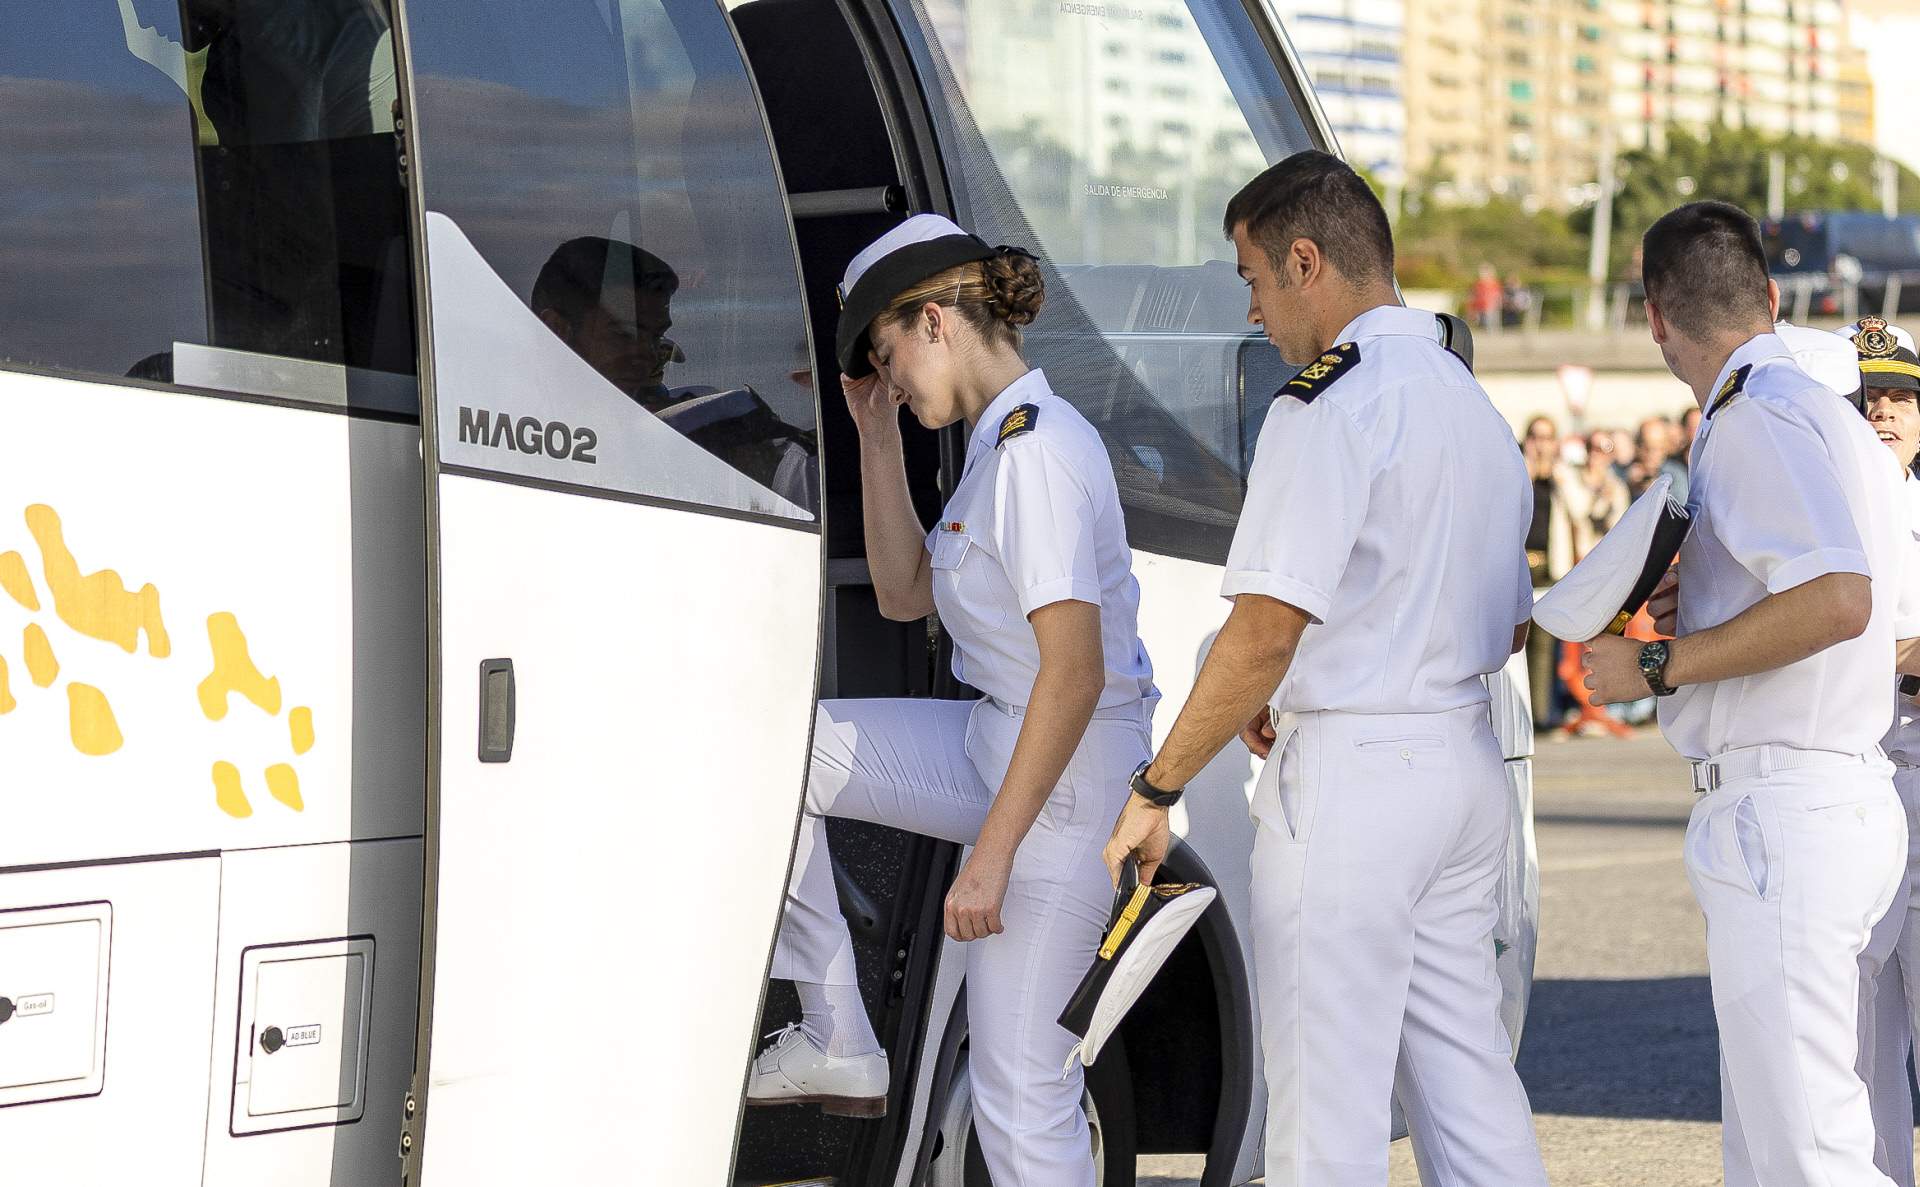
point(1109, 1104)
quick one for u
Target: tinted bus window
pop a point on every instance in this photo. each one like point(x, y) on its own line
point(603, 168)
point(206, 193)
point(1108, 136)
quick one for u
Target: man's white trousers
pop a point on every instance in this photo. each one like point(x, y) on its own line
point(932, 767)
point(1890, 997)
point(1377, 854)
point(1793, 859)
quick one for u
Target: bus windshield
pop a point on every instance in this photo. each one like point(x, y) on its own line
point(1107, 136)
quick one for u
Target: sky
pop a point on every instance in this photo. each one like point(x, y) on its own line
point(1890, 31)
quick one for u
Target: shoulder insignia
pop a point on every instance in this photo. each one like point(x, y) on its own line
point(1873, 341)
point(1020, 420)
point(1316, 376)
point(1731, 388)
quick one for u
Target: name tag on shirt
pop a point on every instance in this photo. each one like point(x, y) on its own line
point(950, 544)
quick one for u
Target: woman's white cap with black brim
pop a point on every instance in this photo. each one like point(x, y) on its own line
point(923, 246)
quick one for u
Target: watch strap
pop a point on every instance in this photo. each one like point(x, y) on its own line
point(1158, 797)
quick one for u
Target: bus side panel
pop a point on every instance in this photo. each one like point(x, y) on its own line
point(296, 906)
point(607, 899)
point(212, 624)
point(143, 1123)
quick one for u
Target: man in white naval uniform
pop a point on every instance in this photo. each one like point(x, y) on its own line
point(1789, 584)
point(1377, 575)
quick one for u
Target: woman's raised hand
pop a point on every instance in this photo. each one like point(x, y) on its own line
point(871, 401)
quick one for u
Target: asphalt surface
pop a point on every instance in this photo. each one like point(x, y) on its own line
point(1619, 1056)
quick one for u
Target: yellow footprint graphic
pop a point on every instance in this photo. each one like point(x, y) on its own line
point(100, 606)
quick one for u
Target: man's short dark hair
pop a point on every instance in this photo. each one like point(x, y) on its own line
point(571, 280)
point(1704, 267)
point(1315, 195)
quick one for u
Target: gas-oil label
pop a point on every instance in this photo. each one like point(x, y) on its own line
point(35, 1006)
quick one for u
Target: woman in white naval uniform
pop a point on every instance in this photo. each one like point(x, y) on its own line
point(1030, 572)
point(1889, 373)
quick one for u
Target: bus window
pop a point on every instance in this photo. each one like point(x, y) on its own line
point(1108, 135)
point(206, 193)
point(603, 166)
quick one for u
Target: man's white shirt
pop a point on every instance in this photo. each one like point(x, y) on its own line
point(1790, 484)
point(1392, 508)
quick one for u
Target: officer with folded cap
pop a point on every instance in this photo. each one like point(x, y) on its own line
point(1031, 575)
point(1889, 382)
point(1792, 591)
point(1377, 575)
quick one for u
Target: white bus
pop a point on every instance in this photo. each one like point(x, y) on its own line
point(428, 517)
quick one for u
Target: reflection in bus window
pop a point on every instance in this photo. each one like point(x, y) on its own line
point(612, 304)
point(1108, 135)
point(608, 162)
point(206, 192)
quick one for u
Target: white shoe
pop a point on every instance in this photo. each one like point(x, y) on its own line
point(792, 1071)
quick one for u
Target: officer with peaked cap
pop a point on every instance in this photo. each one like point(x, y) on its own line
point(1889, 379)
point(1030, 572)
point(1377, 576)
point(1789, 587)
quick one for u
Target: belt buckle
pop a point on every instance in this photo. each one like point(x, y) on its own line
point(1706, 777)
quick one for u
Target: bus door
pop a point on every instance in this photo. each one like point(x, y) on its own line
point(623, 493)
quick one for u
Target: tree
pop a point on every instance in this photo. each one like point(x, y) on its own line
point(1732, 164)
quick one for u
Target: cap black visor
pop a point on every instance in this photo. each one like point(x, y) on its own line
point(891, 275)
point(1902, 371)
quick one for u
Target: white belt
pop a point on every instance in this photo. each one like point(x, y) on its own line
point(1711, 774)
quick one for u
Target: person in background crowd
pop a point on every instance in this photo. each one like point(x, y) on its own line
point(1653, 456)
point(1483, 306)
point(1623, 451)
point(1545, 562)
point(1596, 498)
point(1603, 493)
point(1689, 428)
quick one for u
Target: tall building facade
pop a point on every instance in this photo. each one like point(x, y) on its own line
point(1354, 52)
point(1509, 97)
point(1521, 98)
point(1773, 65)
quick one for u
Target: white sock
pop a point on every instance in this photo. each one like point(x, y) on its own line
point(834, 1019)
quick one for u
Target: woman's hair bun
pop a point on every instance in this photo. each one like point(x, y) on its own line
point(1015, 287)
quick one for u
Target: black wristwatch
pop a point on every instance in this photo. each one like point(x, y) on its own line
point(1148, 792)
point(1653, 668)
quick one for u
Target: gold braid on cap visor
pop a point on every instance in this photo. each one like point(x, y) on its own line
point(1889, 366)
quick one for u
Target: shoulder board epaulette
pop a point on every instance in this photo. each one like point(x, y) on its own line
point(1020, 420)
point(1730, 388)
point(1316, 376)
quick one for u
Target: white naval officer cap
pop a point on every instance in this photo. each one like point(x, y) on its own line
point(1148, 923)
point(1610, 584)
point(1887, 356)
point(1828, 357)
point(922, 246)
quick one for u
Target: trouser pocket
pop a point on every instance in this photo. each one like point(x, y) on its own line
point(1751, 842)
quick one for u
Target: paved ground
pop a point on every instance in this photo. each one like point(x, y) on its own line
point(1619, 1056)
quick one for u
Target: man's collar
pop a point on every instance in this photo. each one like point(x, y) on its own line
point(1753, 352)
point(1389, 319)
point(1024, 390)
